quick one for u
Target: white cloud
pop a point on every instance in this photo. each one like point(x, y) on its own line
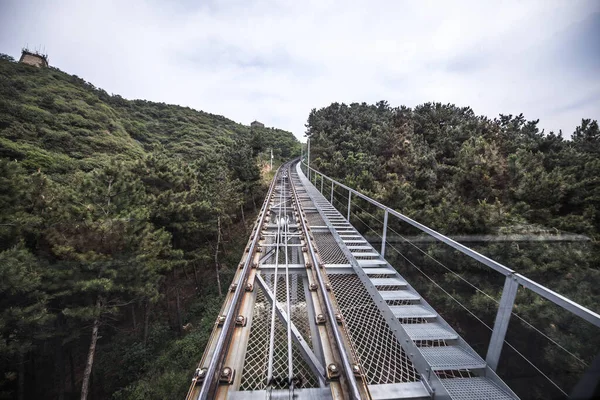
point(274, 61)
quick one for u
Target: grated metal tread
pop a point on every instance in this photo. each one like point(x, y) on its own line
point(380, 271)
point(412, 311)
point(429, 331)
point(367, 263)
point(388, 282)
point(399, 295)
point(354, 241)
point(477, 388)
point(451, 357)
point(359, 247)
point(365, 254)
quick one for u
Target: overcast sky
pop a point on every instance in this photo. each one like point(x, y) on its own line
point(276, 60)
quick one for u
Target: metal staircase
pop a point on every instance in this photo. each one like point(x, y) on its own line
point(438, 350)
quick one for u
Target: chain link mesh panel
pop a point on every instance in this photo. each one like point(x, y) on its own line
point(380, 354)
point(329, 250)
point(255, 369)
point(314, 219)
point(298, 305)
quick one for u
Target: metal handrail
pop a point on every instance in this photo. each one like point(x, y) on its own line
point(508, 296)
point(543, 291)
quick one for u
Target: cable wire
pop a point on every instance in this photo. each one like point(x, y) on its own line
point(491, 298)
point(478, 319)
point(470, 284)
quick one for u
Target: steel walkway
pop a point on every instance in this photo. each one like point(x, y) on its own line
point(316, 312)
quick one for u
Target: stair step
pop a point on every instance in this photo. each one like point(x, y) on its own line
point(366, 263)
point(451, 357)
point(474, 389)
point(367, 254)
point(380, 271)
point(412, 311)
point(431, 331)
point(399, 295)
point(354, 241)
point(359, 248)
point(404, 390)
point(388, 282)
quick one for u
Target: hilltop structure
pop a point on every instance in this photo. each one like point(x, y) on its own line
point(33, 58)
point(256, 124)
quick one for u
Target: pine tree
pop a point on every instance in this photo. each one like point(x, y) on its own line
point(108, 253)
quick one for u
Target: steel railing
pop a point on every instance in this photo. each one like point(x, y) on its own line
point(513, 280)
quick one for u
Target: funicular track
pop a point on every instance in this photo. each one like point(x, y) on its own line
point(315, 312)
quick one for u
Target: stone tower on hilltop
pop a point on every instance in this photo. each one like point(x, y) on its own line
point(36, 58)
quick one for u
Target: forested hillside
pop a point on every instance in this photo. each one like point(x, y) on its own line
point(465, 174)
point(120, 223)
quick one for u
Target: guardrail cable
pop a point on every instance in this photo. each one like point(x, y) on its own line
point(467, 282)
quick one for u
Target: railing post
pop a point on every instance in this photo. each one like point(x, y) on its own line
point(384, 236)
point(321, 183)
point(507, 301)
point(331, 201)
point(308, 163)
point(349, 199)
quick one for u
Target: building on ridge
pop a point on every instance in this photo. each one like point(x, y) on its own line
point(33, 58)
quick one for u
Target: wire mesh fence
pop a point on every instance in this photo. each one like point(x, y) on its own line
point(254, 375)
point(380, 354)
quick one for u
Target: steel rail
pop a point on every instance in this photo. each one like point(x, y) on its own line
point(561, 301)
point(208, 384)
point(348, 372)
point(287, 291)
point(275, 279)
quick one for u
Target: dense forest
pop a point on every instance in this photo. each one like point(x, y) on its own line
point(120, 223)
point(468, 175)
